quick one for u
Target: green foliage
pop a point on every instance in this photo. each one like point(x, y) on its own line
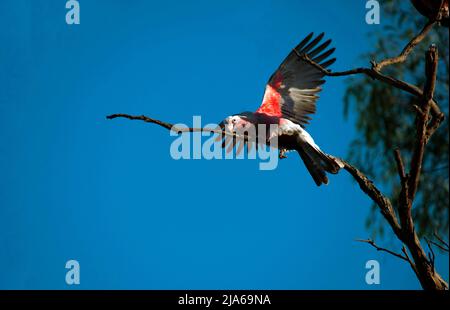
point(385, 118)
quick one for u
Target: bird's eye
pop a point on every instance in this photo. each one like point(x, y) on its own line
point(233, 121)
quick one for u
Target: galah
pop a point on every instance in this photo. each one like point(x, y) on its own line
point(290, 97)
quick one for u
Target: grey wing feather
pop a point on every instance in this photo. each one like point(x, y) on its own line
point(300, 80)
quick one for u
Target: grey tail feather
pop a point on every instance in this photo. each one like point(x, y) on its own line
point(329, 163)
point(318, 163)
point(315, 170)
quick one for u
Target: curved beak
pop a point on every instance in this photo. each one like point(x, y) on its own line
point(225, 125)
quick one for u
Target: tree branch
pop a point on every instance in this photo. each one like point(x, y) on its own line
point(374, 74)
point(172, 127)
point(405, 230)
point(445, 247)
point(422, 121)
point(372, 243)
point(142, 118)
point(424, 264)
point(400, 165)
point(403, 201)
point(431, 255)
point(407, 49)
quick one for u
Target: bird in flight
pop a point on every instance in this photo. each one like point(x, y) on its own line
point(289, 100)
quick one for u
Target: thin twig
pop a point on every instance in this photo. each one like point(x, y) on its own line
point(372, 243)
point(431, 256)
point(400, 165)
point(142, 118)
point(407, 49)
point(173, 127)
point(439, 246)
point(441, 241)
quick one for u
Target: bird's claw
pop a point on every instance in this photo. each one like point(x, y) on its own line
point(282, 154)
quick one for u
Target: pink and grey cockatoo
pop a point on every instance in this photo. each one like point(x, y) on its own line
point(289, 99)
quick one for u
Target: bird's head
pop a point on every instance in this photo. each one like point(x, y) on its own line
point(238, 122)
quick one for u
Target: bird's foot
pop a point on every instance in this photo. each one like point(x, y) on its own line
point(282, 154)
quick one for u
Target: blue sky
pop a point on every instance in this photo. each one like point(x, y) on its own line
point(108, 194)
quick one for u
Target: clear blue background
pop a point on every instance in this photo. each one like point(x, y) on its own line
point(107, 193)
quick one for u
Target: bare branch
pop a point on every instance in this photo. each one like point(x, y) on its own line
point(172, 127)
point(407, 49)
point(372, 243)
point(142, 118)
point(403, 200)
point(431, 255)
point(441, 241)
point(436, 121)
point(439, 246)
point(405, 232)
point(422, 121)
point(400, 165)
point(423, 266)
point(374, 74)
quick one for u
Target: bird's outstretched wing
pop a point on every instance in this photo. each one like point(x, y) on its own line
point(292, 91)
